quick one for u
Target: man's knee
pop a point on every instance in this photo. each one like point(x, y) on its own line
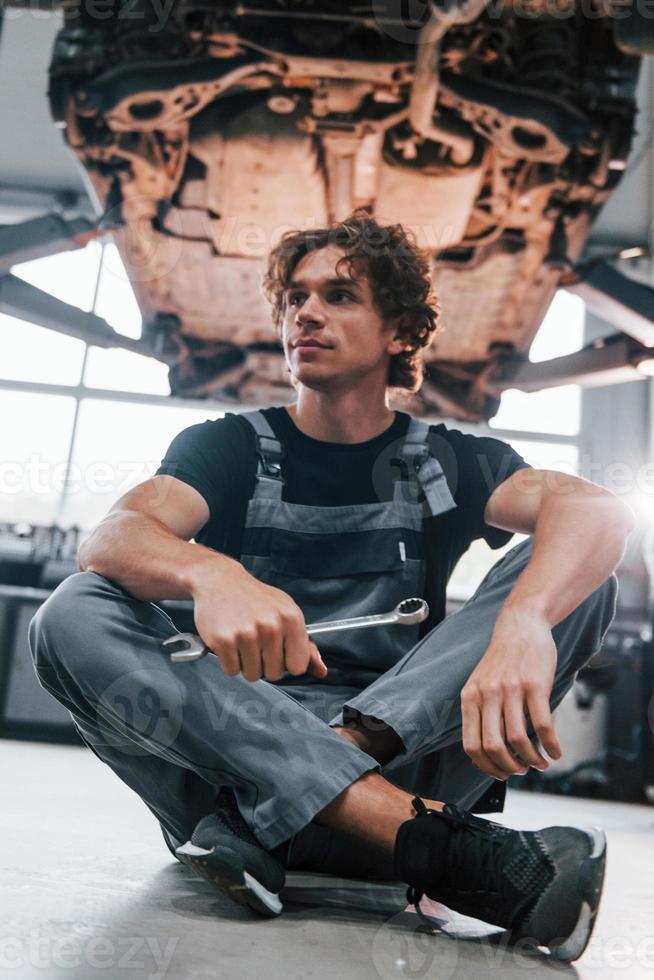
point(582, 633)
point(62, 620)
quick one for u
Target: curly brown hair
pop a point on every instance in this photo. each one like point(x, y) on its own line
point(397, 271)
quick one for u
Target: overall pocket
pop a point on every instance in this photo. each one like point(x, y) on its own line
point(337, 555)
point(361, 573)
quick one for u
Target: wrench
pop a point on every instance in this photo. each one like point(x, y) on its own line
point(185, 647)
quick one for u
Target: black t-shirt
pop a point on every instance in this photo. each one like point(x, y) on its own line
point(218, 459)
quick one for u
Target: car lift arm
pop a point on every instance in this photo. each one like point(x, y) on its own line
point(22, 300)
point(46, 235)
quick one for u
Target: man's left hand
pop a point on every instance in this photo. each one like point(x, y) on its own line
point(511, 684)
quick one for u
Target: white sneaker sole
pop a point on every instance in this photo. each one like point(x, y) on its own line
point(591, 876)
point(223, 867)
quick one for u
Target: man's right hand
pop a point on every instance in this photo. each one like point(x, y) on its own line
point(253, 628)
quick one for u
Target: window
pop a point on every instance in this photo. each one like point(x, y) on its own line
point(117, 446)
point(559, 409)
point(116, 301)
point(34, 445)
point(551, 412)
point(549, 455)
point(555, 410)
point(69, 276)
point(562, 330)
point(32, 353)
point(122, 370)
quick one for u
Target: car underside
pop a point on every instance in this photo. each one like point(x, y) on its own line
point(493, 131)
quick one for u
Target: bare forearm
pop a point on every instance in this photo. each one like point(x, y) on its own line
point(578, 542)
point(145, 558)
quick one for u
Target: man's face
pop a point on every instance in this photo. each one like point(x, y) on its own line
point(332, 333)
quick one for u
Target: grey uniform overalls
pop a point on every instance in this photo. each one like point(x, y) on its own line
point(354, 560)
point(176, 733)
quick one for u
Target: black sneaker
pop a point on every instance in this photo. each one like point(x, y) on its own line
point(544, 885)
point(224, 850)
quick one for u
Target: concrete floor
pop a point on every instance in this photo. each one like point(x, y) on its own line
point(90, 891)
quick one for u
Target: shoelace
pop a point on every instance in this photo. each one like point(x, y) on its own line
point(483, 862)
point(414, 895)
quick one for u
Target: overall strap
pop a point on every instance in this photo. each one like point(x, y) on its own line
point(270, 453)
point(416, 462)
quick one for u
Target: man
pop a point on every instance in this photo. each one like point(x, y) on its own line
point(285, 753)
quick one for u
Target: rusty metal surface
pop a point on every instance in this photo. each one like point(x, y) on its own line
point(206, 139)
